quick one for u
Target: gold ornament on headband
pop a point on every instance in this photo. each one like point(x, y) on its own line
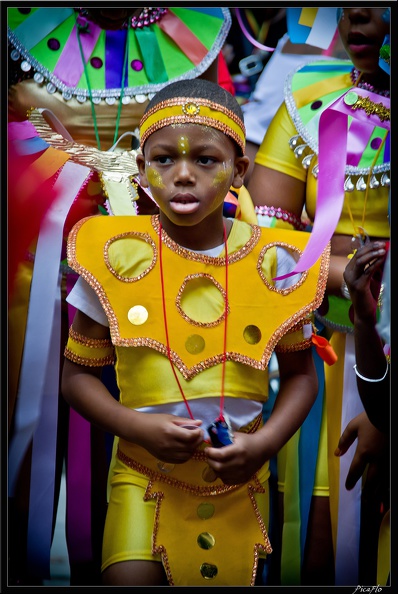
point(188, 110)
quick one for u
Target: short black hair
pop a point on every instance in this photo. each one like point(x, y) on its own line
point(200, 88)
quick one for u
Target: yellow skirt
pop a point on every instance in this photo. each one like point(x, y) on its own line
point(203, 531)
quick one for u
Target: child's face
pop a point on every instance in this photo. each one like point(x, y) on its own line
point(362, 31)
point(189, 170)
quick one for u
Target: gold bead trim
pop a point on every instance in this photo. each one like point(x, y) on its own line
point(214, 260)
point(134, 235)
point(291, 348)
point(95, 343)
point(193, 110)
point(264, 278)
point(207, 491)
point(184, 315)
point(88, 361)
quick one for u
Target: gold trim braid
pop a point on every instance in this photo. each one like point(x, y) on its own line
point(91, 352)
point(186, 110)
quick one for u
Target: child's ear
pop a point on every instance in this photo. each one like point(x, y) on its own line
point(241, 167)
point(140, 160)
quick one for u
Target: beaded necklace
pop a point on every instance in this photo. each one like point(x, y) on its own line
point(148, 16)
point(357, 82)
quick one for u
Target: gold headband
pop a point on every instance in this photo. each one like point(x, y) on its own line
point(191, 110)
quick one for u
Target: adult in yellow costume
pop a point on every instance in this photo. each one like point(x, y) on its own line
point(328, 151)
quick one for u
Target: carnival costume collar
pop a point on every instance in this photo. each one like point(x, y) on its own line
point(347, 129)
point(179, 43)
point(192, 110)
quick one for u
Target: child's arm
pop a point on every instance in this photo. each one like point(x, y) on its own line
point(160, 434)
point(236, 463)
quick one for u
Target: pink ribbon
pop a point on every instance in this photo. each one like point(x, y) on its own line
point(191, 46)
point(334, 141)
point(78, 476)
point(21, 130)
point(70, 67)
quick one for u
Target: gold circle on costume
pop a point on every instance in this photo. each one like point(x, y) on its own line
point(137, 315)
point(208, 571)
point(195, 344)
point(252, 334)
point(165, 466)
point(209, 475)
point(206, 540)
point(205, 510)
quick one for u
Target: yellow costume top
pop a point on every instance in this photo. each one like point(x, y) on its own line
point(119, 258)
point(122, 259)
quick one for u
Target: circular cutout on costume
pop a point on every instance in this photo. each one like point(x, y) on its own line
point(208, 571)
point(205, 511)
point(286, 256)
point(137, 65)
point(53, 44)
point(130, 256)
point(206, 540)
point(252, 334)
point(201, 300)
point(375, 143)
point(316, 105)
point(195, 344)
point(137, 315)
point(96, 62)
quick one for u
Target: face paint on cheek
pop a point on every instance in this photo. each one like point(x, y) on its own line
point(223, 174)
point(183, 145)
point(154, 178)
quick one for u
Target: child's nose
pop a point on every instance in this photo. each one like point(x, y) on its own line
point(184, 172)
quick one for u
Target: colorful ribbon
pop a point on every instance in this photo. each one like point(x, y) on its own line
point(334, 142)
point(39, 368)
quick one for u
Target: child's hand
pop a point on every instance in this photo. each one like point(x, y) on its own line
point(237, 463)
point(169, 438)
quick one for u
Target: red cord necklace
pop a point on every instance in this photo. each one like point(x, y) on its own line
point(221, 416)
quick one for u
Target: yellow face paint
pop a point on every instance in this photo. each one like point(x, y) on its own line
point(222, 175)
point(183, 145)
point(154, 178)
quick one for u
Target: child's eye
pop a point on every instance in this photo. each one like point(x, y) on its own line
point(164, 160)
point(206, 160)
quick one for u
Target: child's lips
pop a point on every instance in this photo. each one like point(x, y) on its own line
point(184, 203)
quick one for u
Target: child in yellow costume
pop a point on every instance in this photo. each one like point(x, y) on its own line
point(169, 299)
